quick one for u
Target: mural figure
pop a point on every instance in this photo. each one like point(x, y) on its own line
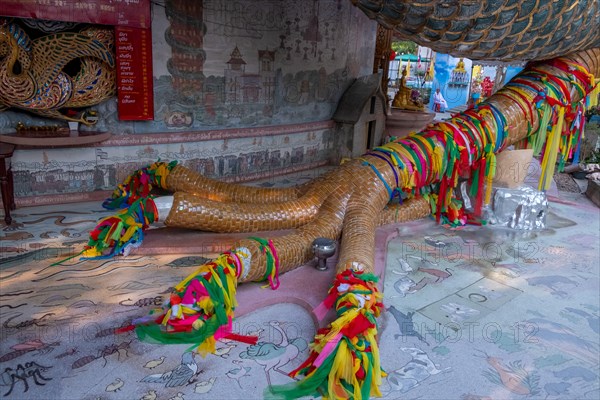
point(31, 369)
point(414, 372)
point(274, 356)
point(513, 376)
point(115, 386)
point(179, 119)
point(181, 375)
point(239, 372)
point(206, 386)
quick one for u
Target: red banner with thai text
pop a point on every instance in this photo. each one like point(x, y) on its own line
point(132, 13)
point(134, 73)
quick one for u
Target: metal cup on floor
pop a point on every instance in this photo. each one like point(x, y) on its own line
point(323, 248)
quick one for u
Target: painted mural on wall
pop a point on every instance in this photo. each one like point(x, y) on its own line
point(249, 63)
point(57, 172)
point(238, 67)
point(244, 63)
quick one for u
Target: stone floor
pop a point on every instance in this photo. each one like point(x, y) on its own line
point(474, 313)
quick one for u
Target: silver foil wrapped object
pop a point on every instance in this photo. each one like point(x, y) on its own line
point(464, 195)
point(522, 208)
point(163, 208)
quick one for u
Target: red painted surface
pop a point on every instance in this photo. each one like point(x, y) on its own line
point(133, 48)
point(133, 13)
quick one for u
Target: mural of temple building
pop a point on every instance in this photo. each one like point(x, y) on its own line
point(266, 59)
point(242, 87)
point(236, 68)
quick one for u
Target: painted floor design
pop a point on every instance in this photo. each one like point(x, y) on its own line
point(478, 313)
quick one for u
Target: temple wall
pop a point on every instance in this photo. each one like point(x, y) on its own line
point(257, 102)
point(91, 173)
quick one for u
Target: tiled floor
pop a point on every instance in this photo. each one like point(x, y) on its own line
point(477, 313)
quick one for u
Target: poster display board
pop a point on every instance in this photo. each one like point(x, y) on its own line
point(134, 73)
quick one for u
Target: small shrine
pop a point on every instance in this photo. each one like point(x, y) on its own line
point(407, 98)
point(407, 112)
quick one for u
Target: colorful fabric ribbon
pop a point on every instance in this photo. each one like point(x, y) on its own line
point(139, 185)
point(117, 234)
point(272, 270)
point(344, 361)
point(200, 310)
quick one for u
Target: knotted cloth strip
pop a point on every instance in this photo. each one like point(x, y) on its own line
point(344, 361)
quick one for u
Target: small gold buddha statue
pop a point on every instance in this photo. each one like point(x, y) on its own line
point(460, 66)
point(407, 98)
